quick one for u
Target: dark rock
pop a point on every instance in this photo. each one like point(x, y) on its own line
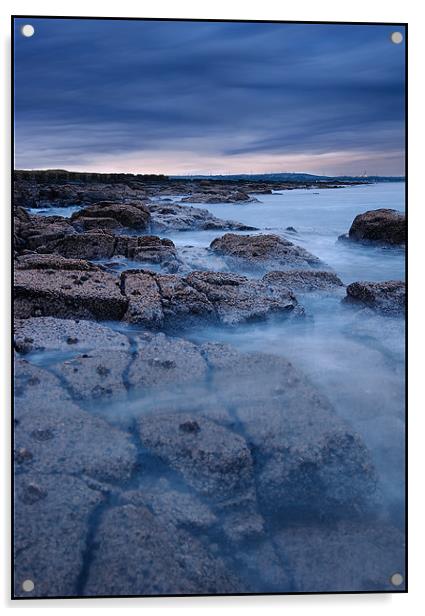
point(382, 226)
point(31, 232)
point(52, 262)
point(387, 298)
point(68, 294)
point(263, 252)
point(94, 245)
point(125, 215)
point(220, 196)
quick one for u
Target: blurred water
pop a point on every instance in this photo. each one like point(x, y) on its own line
point(319, 217)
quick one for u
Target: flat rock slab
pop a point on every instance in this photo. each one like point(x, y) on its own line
point(345, 556)
point(262, 253)
point(54, 435)
point(137, 555)
point(175, 217)
point(203, 297)
point(304, 280)
point(66, 335)
point(223, 196)
point(382, 226)
point(387, 298)
point(68, 294)
point(52, 514)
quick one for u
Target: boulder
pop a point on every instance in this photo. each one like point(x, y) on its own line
point(260, 253)
point(387, 298)
point(175, 217)
point(382, 226)
point(68, 294)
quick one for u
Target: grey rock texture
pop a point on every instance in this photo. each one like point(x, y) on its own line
point(123, 215)
point(263, 252)
point(387, 298)
point(176, 217)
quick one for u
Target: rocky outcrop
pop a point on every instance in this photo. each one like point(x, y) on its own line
point(219, 196)
point(30, 232)
point(175, 217)
point(56, 195)
point(387, 298)
point(170, 301)
point(383, 226)
point(260, 253)
point(107, 214)
point(68, 293)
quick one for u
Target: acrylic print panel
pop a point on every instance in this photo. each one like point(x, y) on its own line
point(209, 297)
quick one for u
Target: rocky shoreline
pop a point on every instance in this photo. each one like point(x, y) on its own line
point(149, 464)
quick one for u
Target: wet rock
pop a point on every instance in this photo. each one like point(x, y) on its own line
point(220, 196)
point(61, 437)
point(52, 334)
point(213, 460)
point(383, 226)
point(175, 217)
point(98, 244)
point(387, 298)
point(343, 557)
point(53, 262)
point(68, 294)
point(85, 193)
point(148, 249)
point(237, 299)
point(126, 215)
point(161, 362)
point(304, 280)
point(307, 460)
point(51, 522)
point(209, 297)
point(159, 562)
point(31, 232)
point(262, 252)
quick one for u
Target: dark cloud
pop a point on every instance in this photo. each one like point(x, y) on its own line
point(87, 89)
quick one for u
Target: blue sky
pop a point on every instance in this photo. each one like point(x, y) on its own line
point(194, 97)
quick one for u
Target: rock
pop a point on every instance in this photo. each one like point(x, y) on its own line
point(52, 262)
point(92, 245)
point(219, 196)
point(51, 334)
point(60, 436)
point(36, 231)
point(86, 193)
point(304, 280)
point(213, 460)
point(160, 561)
point(68, 294)
point(126, 215)
point(307, 460)
point(51, 525)
point(387, 298)
point(263, 252)
point(174, 217)
point(383, 226)
point(170, 301)
point(343, 557)
point(148, 249)
point(237, 299)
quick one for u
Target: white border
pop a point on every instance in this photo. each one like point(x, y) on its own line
point(360, 10)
